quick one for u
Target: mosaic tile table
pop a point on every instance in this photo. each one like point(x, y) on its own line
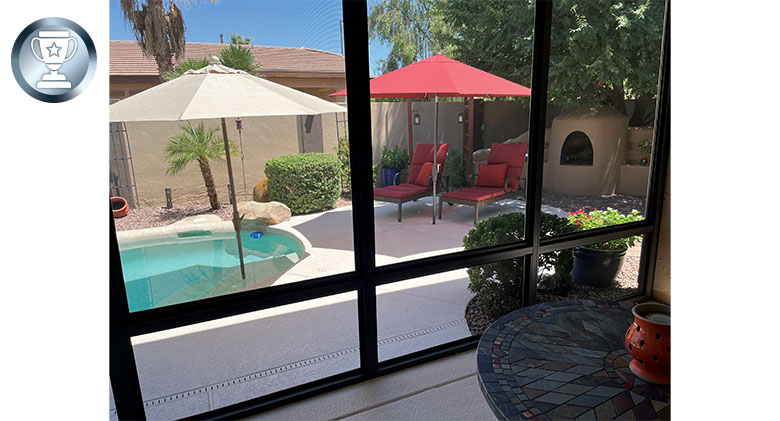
point(565, 360)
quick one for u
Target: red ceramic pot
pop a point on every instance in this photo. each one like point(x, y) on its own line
point(648, 342)
point(119, 206)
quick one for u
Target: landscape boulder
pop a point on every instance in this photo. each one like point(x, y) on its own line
point(269, 213)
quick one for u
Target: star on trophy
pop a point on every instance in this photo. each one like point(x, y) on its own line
point(54, 49)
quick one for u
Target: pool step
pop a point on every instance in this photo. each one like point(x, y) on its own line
point(193, 283)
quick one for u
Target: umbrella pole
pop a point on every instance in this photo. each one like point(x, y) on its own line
point(435, 151)
point(236, 218)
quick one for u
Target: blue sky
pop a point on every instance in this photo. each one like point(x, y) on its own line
point(283, 23)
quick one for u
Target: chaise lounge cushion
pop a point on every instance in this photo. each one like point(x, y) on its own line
point(475, 194)
point(491, 175)
point(400, 191)
point(512, 154)
point(425, 171)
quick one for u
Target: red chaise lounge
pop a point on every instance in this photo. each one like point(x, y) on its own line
point(419, 183)
point(497, 180)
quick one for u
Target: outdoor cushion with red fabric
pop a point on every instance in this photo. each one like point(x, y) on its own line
point(425, 172)
point(400, 191)
point(512, 154)
point(475, 194)
point(491, 175)
point(423, 152)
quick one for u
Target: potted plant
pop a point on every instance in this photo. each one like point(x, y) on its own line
point(393, 161)
point(598, 264)
point(645, 148)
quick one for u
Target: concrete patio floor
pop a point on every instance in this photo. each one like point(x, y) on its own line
point(196, 368)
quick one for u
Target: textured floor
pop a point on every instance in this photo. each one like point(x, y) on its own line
point(446, 389)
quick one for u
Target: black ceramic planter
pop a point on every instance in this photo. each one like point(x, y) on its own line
point(596, 268)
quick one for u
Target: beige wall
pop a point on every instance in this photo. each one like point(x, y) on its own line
point(389, 125)
point(633, 180)
point(635, 136)
point(263, 138)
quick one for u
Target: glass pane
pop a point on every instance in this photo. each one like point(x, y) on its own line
point(604, 61)
point(590, 273)
point(197, 368)
point(174, 211)
point(450, 95)
point(423, 312)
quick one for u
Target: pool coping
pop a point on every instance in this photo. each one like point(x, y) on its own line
point(210, 223)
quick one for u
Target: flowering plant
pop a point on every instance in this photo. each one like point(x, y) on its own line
point(598, 219)
point(395, 157)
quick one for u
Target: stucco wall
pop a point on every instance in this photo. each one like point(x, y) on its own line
point(263, 138)
point(635, 136)
point(389, 125)
point(607, 130)
point(633, 180)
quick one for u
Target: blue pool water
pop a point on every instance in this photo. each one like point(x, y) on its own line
point(172, 270)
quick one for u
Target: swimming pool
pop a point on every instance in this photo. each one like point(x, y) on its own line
point(199, 264)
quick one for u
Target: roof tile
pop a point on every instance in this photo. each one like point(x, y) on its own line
point(126, 58)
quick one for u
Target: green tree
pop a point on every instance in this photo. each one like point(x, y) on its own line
point(237, 57)
point(239, 39)
point(184, 65)
point(602, 52)
point(201, 145)
point(232, 56)
point(414, 30)
point(158, 30)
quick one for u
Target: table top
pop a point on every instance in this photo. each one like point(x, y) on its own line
point(565, 360)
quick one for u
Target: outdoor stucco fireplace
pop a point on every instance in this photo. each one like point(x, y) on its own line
point(591, 144)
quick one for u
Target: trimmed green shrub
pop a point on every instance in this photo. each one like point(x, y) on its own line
point(500, 285)
point(306, 182)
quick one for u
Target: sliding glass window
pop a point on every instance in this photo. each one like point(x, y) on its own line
point(343, 243)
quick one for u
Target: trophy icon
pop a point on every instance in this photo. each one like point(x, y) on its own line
point(54, 46)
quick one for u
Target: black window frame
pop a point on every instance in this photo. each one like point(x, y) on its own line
point(367, 276)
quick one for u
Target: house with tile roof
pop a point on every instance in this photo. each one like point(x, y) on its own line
point(315, 72)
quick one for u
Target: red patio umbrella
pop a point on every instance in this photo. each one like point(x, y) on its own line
point(437, 76)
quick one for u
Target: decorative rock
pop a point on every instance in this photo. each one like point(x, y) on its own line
point(270, 213)
point(481, 156)
point(260, 193)
point(523, 138)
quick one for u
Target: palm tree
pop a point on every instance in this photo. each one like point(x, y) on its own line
point(197, 144)
point(159, 31)
point(232, 56)
point(184, 65)
point(237, 57)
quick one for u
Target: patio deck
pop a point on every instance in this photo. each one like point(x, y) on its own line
point(192, 369)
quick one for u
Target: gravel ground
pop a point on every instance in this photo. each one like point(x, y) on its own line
point(625, 284)
point(570, 203)
point(159, 216)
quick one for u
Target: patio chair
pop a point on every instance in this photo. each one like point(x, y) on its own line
point(497, 180)
point(419, 183)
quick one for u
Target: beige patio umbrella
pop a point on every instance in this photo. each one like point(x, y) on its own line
point(217, 91)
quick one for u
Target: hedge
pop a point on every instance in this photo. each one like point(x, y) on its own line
point(500, 285)
point(305, 182)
